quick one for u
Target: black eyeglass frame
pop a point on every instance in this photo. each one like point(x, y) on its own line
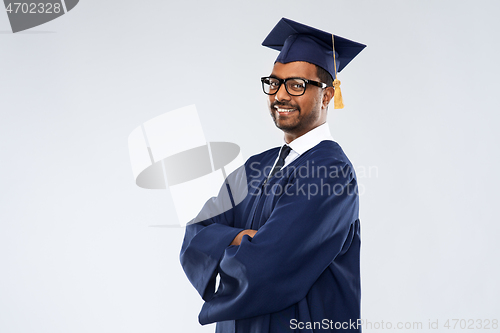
point(281, 81)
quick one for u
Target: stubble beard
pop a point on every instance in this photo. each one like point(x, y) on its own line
point(299, 124)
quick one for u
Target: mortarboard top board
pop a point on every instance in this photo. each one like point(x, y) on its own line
point(299, 42)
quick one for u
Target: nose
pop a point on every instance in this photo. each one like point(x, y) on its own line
point(282, 94)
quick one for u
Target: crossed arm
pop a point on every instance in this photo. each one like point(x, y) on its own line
point(237, 239)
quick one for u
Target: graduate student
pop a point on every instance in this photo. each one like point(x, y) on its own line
point(287, 253)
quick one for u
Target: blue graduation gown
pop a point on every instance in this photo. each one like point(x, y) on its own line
point(300, 272)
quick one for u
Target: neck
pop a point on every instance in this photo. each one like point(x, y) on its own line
point(289, 137)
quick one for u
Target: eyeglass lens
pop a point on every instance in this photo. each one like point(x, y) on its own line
point(293, 86)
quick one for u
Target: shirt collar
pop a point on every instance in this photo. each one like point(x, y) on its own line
point(310, 139)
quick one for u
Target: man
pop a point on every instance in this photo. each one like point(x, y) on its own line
point(288, 254)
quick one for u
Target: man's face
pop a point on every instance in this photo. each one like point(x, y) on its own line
point(297, 115)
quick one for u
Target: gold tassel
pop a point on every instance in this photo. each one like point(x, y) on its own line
point(338, 103)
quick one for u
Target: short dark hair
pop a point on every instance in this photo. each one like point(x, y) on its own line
point(324, 76)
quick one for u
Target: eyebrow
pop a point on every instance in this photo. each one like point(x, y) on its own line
point(291, 77)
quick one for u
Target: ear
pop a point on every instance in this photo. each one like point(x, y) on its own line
point(328, 93)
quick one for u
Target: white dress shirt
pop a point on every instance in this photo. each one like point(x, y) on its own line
point(305, 142)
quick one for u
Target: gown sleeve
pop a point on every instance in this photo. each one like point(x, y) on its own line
point(307, 229)
point(210, 233)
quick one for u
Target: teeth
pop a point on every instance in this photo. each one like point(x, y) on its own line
point(285, 110)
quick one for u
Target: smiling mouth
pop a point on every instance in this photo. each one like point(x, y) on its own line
point(280, 110)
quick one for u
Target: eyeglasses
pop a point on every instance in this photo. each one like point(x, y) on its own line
point(294, 86)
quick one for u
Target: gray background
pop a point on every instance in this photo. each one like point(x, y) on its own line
point(77, 253)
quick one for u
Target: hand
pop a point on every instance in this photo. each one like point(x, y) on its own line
point(237, 239)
